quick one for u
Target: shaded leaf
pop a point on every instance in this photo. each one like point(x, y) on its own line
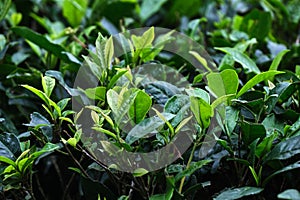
point(248, 64)
point(9, 146)
point(285, 169)
point(285, 149)
point(252, 131)
point(146, 127)
point(40, 122)
point(237, 193)
point(169, 190)
point(42, 42)
point(4, 9)
point(193, 167)
point(155, 5)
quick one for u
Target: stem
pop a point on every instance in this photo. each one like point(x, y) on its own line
point(189, 162)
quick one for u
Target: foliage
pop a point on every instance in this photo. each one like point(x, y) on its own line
point(250, 88)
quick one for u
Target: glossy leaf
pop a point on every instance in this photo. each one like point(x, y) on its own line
point(228, 61)
point(147, 127)
point(237, 193)
point(200, 93)
point(248, 64)
point(9, 146)
point(277, 60)
point(284, 169)
point(257, 79)
point(177, 105)
point(116, 77)
point(161, 91)
point(285, 149)
point(252, 131)
point(40, 122)
point(8, 161)
point(49, 147)
point(290, 194)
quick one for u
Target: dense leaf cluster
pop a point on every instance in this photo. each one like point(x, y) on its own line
point(244, 98)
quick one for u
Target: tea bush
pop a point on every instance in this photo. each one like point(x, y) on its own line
point(82, 105)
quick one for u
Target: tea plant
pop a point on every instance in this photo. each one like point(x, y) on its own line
point(64, 139)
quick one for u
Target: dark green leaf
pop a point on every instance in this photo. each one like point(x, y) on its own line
point(231, 119)
point(257, 24)
point(169, 190)
point(252, 131)
point(155, 5)
point(285, 169)
point(9, 146)
point(272, 124)
point(193, 167)
point(6, 125)
point(178, 106)
point(248, 64)
point(4, 9)
point(42, 42)
point(161, 91)
point(147, 127)
point(285, 149)
point(116, 77)
point(237, 193)
point(39, 121)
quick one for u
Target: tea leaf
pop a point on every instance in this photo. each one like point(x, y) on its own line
point(248, 64)
point(237, 193)
point(257, 79)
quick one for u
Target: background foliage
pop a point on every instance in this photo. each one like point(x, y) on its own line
point(255, 48)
